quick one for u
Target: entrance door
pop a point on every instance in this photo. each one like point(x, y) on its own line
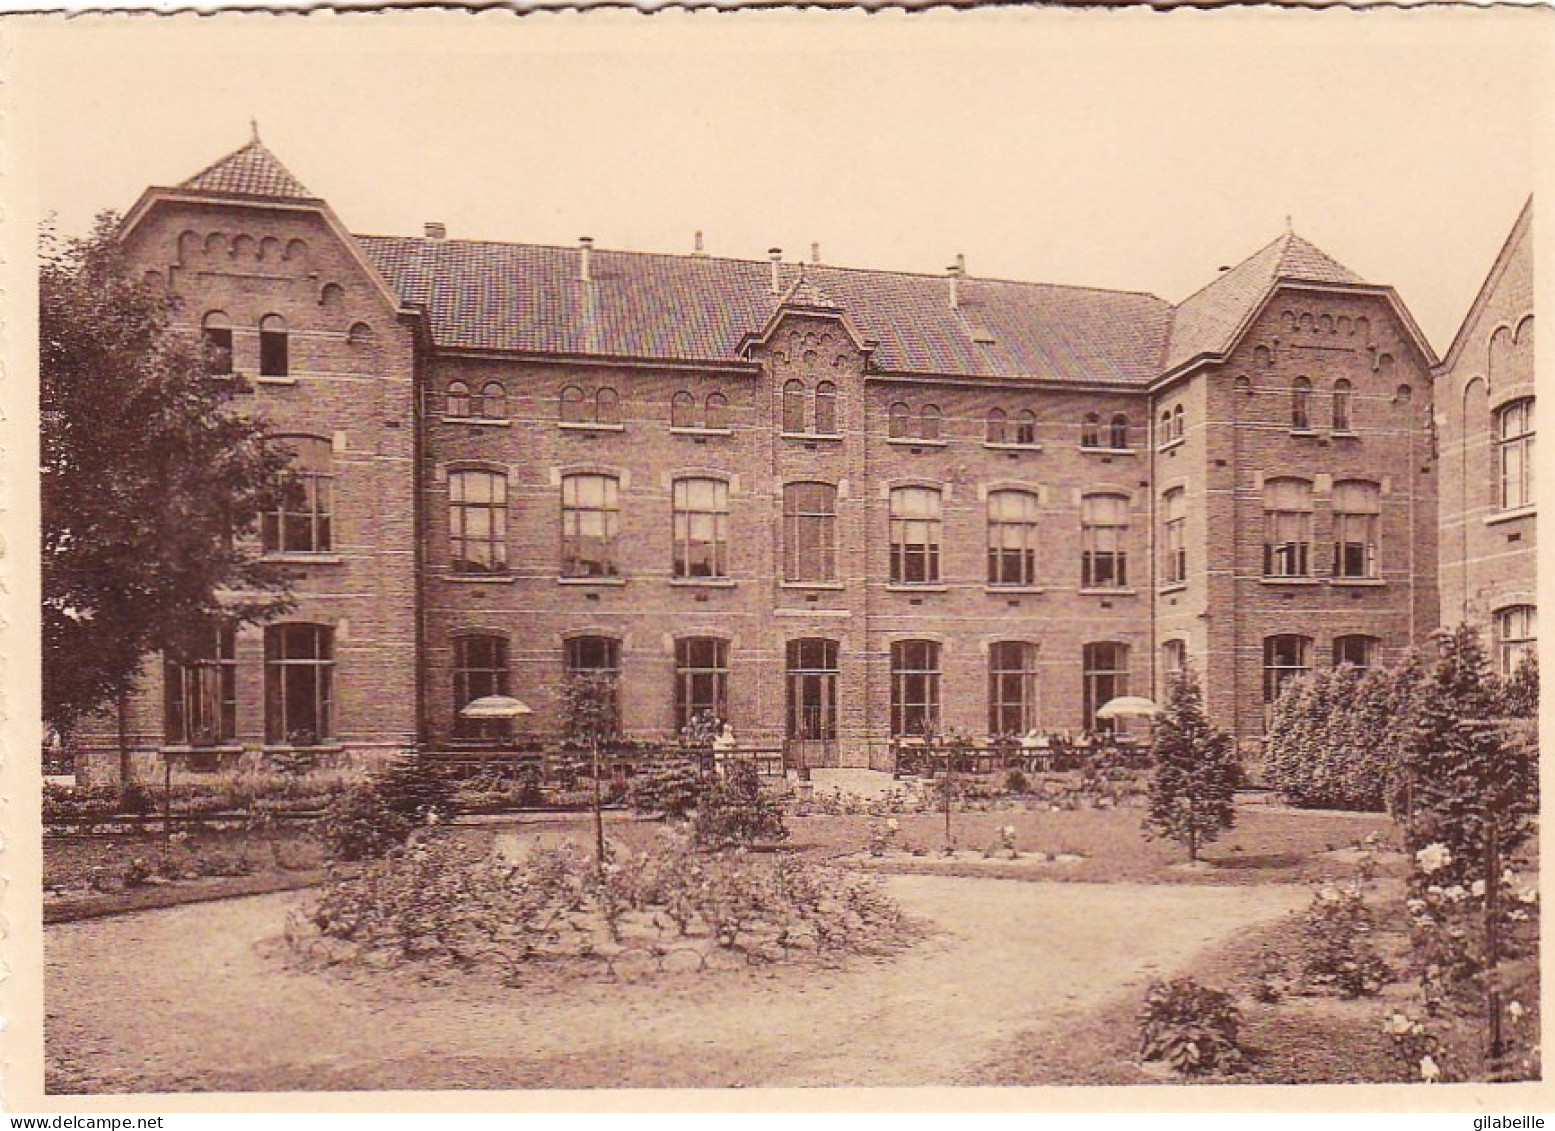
point(812, 704)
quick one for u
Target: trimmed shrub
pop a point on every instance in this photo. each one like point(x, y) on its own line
point(1191, 1027)
point(671, 788)
point(738, 812)
point(380, 812)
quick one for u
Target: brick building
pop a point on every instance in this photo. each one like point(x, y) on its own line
point(1484, 394)
point(829, 505)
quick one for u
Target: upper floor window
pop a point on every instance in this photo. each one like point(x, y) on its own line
point(1517, 638)
point(915, 679)
point(1177, 423)
point(899, 421)
point(915, 535)
point(809, 532)
point(1342, 398)
point(1174, 513)
point(1174, 658)
point(998, 427)
point(607, 407)
point(477, 521)
point(480, 669)
point(1117, 433)
point(200, 694)
point(1287, 528)
point(577, 407)
point(1301, 405)
point(299, 683)
point(458, 402)
point(1090, 431)
point(683, 410)
point(1012, 538)
point(1286, 658)
point(1357, 651)
point(1514, 442)
point(591, 515)
point(1103, 529)
point(303, 523)
point(273, 359)
point(216, 336)
point(793, 407)
point(826, 409)
point(1357, 522)
point(1026, 428)
point(929, 422)
point(717, 411)
point(701, 520)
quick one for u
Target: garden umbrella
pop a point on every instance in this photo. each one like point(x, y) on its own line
point(1128, 707)
point(495, 707)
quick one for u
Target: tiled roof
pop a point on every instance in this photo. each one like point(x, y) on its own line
point(250, 171)
point(522, 297)
point(1205, 322)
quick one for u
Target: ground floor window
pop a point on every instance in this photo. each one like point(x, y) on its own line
point(812, 690)
point(915, 677)
point(200, 695)
point(701, 680)
point(1286, 658)
point(598, 657)
point(1012, 687)
point(1106, 677)
point(480, 669)
point(1517, 638)
point(1359, 651)
point(299, 683)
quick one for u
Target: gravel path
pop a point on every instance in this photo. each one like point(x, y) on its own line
point(197, 998)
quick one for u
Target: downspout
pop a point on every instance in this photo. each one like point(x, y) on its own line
point(418, 518)
point(1236, 573)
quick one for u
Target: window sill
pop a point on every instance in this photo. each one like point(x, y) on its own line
point(830, 586)
point(909, 442)
point(1343, 434)
point(213, 748)
point(1511, 515)
point(1002, 447)
point(480, 578)
point(329, 747)
point(1108, 451)
point(283, 382)
point(610, 581)
point(703, 582)
point(1124, 592)
point(1013, 590)
point(1172, 587)
point(1296, 581)
point(825, 437)
point(1172, 445)
point(296, 557)
point(1357, 582)
point(585, 426)
point(701, 431)
point(916, 587)
point(480, 421)
point(1307, 433)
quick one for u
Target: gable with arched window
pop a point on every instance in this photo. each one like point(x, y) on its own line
point(794, 407)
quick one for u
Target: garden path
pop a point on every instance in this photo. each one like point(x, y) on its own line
point(191, 999)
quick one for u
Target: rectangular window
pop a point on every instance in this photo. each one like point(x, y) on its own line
point(598, 657)
point(480, 669)
point(299, 684)
point(701, 680)
point(218, 351)
point(915, 535)
point(1174, 540)
point(915, 677)
point(1012, 538)
point(1287, 517)
point(809, 532)
point(1514, 441)
point(590, 520)
point(1358, 651)
point(303, 524)
point(477, 522)
point(1357, 518)
point(701, 519)
point(1103, 529)
point(273, 358)
point(812, 690)
point(1105, 667)
point(1517, 638)
point(1285, 660)
point(200, 695)
point(1012, 688)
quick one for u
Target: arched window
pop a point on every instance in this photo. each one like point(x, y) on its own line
point(1117, 434)
point(1012, 538)
point(793, 407)
point(1177, 423)
point(1174, 535)
point(303, 523)
point(1357, 651)
point(216, 335)
point(928, 422)
point(682, 410)
point(997, 421)
point(597, 658)
point(900, 422)
point(493, 402)
point(1012, 688)
point(1103, 531)
point(1026, 427)
point(1090, 431)
point(591, 516)
point(1166, 427)
point(1357, 528)
point(701, 527)
point(200, 702)
point(360, 334)
point(717, 411)
point(812, 689)
point(573, 409)
point(1514, 448)
point(915, 678)
point(1287, 528)
point(458, 403)
point(299, 684)
point(1286, 658)
point(477, 521)
point(273, 359)
point(1105, 668)
point(1517, 638)
point(1174, 660)
point(826, 409)
point(607, 407)
point(1342, 395)
point(701, 680)
point(480, 669)
point(1301, 405)
point(809, 532)
point(915, 535)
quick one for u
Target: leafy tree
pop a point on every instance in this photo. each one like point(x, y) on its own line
point(151, 482)
point(1195, 771)
point(589, 720)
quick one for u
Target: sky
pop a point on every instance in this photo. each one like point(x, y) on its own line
point(1137, 152)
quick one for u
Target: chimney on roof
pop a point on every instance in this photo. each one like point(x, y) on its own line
point(775, 254)
point(436, 230)
point(585, 259)
point(698, 249)
point(956, 271)
point(815, 252)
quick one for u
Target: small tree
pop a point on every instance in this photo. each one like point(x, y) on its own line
point(589, 720)
point(1195, 771)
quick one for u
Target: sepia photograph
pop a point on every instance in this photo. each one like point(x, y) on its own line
point(774, 550)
